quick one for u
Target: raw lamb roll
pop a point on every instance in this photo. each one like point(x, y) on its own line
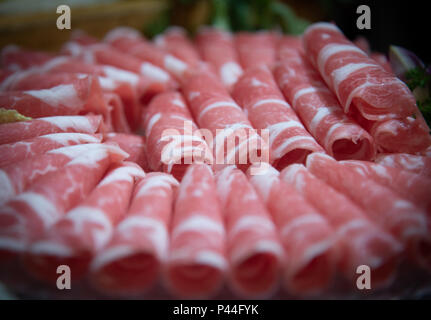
point(132, 261)
point(256, 48)
point(253, 248)
point(85, 229)
point(133, 43)
point(310, 250)
point(405, 220)
point(340, 135)
point(289, 142)
point(16, 58)
point(67, 94)
point(17, 131)
point(419, 164)
point(233, 139)
point(16, 177)
point(104, 54)
point(218, 49)
point(360, 241)
point(197, 260)
point(175, 41)
point(133, 144)
point(17, 151)
point(27, 216)
point(382, 103)
point(173, 139)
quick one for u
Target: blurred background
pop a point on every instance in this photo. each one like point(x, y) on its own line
point(32, 23)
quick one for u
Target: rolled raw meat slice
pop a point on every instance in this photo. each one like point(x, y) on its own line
point(406, 221)
point(16, 58)
point(218, 49)
point(361, 241)
point(197, 258)
point(85, 229)
point(229, 132)
point(340, 135)
point(175, 41)
point(81, 37)
point(253, 247)
point(134, 44)
point(310, 250)
point(133, 144)
point(27, 216)
point(288, 47)
point(173, 139)
point(289, 142)
point(17, 151)
point(419, 164)
point(16, 177)
point(17, 131)
point(381, 102)
point(132, 261)
point(256, 48)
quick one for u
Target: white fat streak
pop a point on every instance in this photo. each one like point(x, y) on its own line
point(342, 73)
point(310, 218)
point(53, 63)
point(221, 135)
point(159, 181)
point(219, 104)
point(175, 65)
point(89, 159)
point(351, 225)
point(124, 173)
point(286, 143)
point(264, 182)
point(156, 232)
point(353, 93)
point(319, 115)
point(266, 101)
point(178, 103)
point(107, 83)
point(244, 144)
point(41, 206)
point(65, 138)
point(76, 150)
point(122, 32)
point(121, 75)
point(211, 258)
point(322, 25)
point(83, 216)
point(152, 122)
point(51, 248)
point(308, 90)
point(276, 129)
point(331, 49)
point(331, 130)
point(318, 248)
point(249, 222)
point(77, 123)
point(198, 223)
point(261, 246)
point(110, 255)
point(224, 181)
point(153, 72)
point(6, 187)
point(194, 94)
point(257, 83)
point(12, 244)
point(230, 72)
point(64, 94)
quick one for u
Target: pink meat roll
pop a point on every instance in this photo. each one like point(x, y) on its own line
point(104, 54)
point(309, 244)
point(361, 242)
point(85, 229)
point(133, 43)
point(73, 93)
point(340, 135)
point(27, 216)
point(17, 176)
point(132, 261)
point(419, 164)
point(253, 248)
point(256, 48)
point(175, 41)
point(17, 151)
point(173, 139)
point(288, 47)
point(17, 131)
point(197, 260)
point(406, 221)
point(217, 47)
point(289, 142)
point(133, 144)
point(381, 102)
point(225, 122)
point(16, 58)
